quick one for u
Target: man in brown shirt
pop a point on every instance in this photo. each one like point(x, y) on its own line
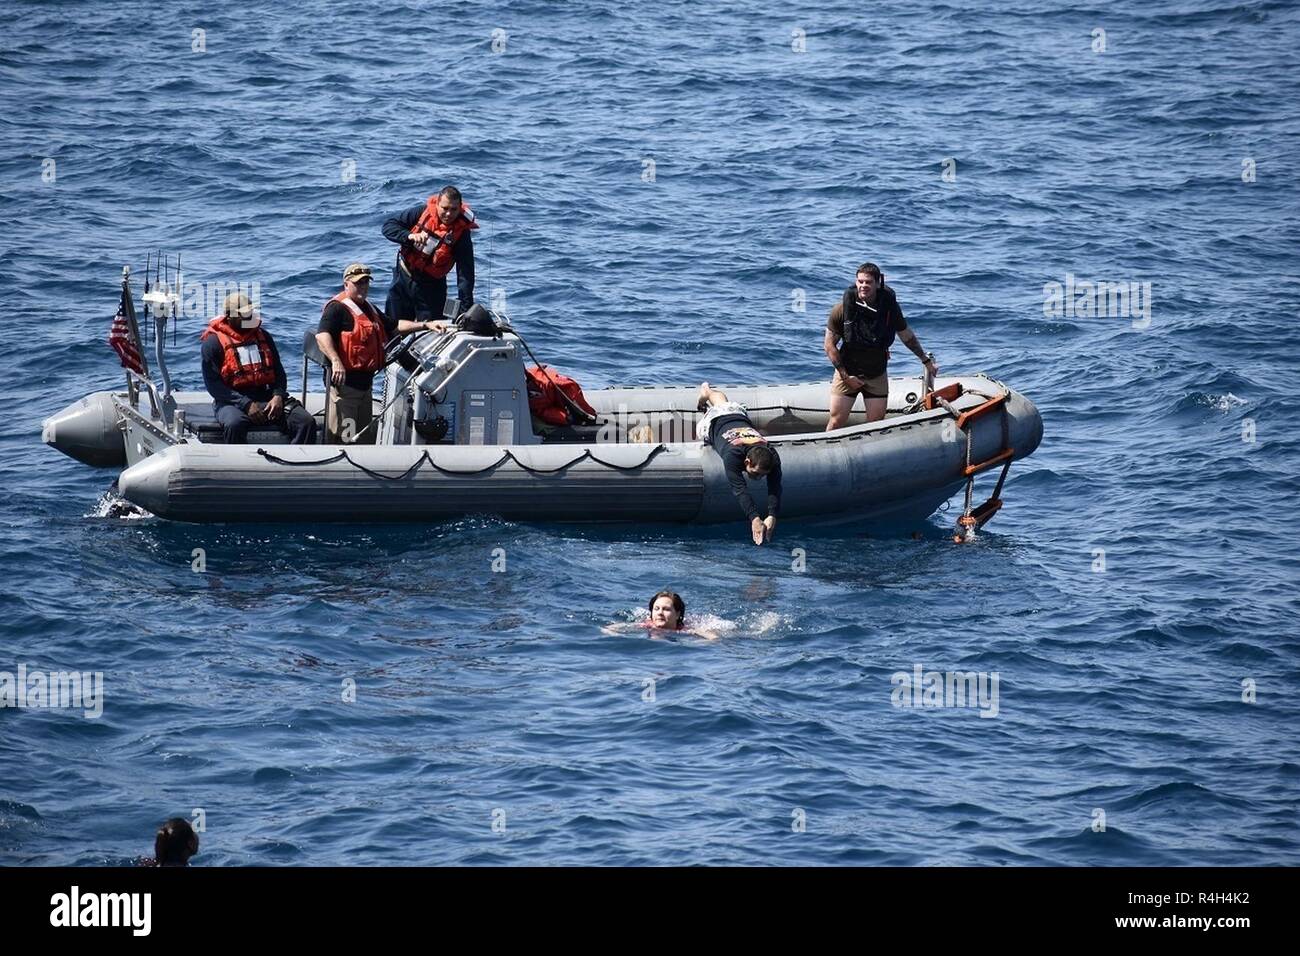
point(859, 331)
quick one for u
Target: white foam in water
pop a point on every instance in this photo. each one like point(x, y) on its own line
point(114, 506)
point(706, 622)
point(760, 624)
point(711, 622)
point(764, 622)
point(1225, 402)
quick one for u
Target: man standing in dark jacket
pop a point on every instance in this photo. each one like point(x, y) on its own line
point(243, 374)
point(864, 323)
point(432, 238)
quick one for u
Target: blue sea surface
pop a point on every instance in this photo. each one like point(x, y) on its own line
point(659, 185)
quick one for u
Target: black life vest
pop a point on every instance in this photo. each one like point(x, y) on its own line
point(868, 327)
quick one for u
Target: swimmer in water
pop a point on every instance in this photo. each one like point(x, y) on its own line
point(174, 844)
point(667, 613)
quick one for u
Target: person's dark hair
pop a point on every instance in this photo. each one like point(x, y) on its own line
point(451, 192)
point(678, 605)
point(761, 457)
point(871, 269)
point(175, 843)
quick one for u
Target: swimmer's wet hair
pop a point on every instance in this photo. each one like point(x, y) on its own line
point(678, 604)
point(175, 843)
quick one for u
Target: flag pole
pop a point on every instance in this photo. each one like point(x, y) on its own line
point(128, 307)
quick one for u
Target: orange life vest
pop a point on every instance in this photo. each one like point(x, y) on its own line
point(439, 263)
point(544, 401)
point(362, 348)
point(249, 357)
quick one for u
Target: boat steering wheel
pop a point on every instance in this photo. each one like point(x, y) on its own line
point(395, 349)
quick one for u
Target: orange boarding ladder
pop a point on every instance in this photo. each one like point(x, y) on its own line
point(972, 519)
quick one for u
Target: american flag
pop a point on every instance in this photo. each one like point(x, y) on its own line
point(123, 342)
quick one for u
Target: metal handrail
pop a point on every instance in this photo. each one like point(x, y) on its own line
point(134, 381)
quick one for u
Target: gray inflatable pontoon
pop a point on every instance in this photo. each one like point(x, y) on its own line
point(455, 438)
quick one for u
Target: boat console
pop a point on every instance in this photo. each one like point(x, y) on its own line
point(465, 386)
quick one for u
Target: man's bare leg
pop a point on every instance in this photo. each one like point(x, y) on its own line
point(710, 396)
point(840, 407)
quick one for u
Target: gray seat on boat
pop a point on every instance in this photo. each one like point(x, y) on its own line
point(201, 420)
point(310, 349)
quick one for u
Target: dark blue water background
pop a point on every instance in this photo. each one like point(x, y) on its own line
point(482, 693)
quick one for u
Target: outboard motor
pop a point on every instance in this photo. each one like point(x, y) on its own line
point(467, 387)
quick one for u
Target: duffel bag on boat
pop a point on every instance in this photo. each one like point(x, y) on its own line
point(545, 399)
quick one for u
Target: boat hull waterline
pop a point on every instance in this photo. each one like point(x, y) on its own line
point(897, 470)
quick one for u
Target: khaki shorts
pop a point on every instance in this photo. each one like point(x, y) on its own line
point(877, 387)
point(347, 411)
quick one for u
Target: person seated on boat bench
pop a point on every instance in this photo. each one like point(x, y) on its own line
point(864, 323)
point(744, 452)
point(433, 237)
point(243, 374)
point(351, 335)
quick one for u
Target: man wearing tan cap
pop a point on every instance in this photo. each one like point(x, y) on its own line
point(243, 374)
point(352, 334)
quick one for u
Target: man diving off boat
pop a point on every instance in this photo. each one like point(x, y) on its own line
point(433, 237)
point(859, 331)
point(243, 374)
point(745, 453)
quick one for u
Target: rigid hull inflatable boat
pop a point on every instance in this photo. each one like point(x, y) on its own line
point(455, 437)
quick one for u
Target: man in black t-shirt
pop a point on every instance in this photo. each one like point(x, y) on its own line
point(859, 331)
point(351, 335)
point(745, 454)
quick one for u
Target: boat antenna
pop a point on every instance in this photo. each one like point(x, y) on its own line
point(176, 301)
point(157, 284)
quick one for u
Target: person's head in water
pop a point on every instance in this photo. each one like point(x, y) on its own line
point(759, 460)
point(667, 611)
point(869, 280)
point(175, 843)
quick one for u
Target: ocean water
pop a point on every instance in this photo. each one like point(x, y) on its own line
point(660, 186)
